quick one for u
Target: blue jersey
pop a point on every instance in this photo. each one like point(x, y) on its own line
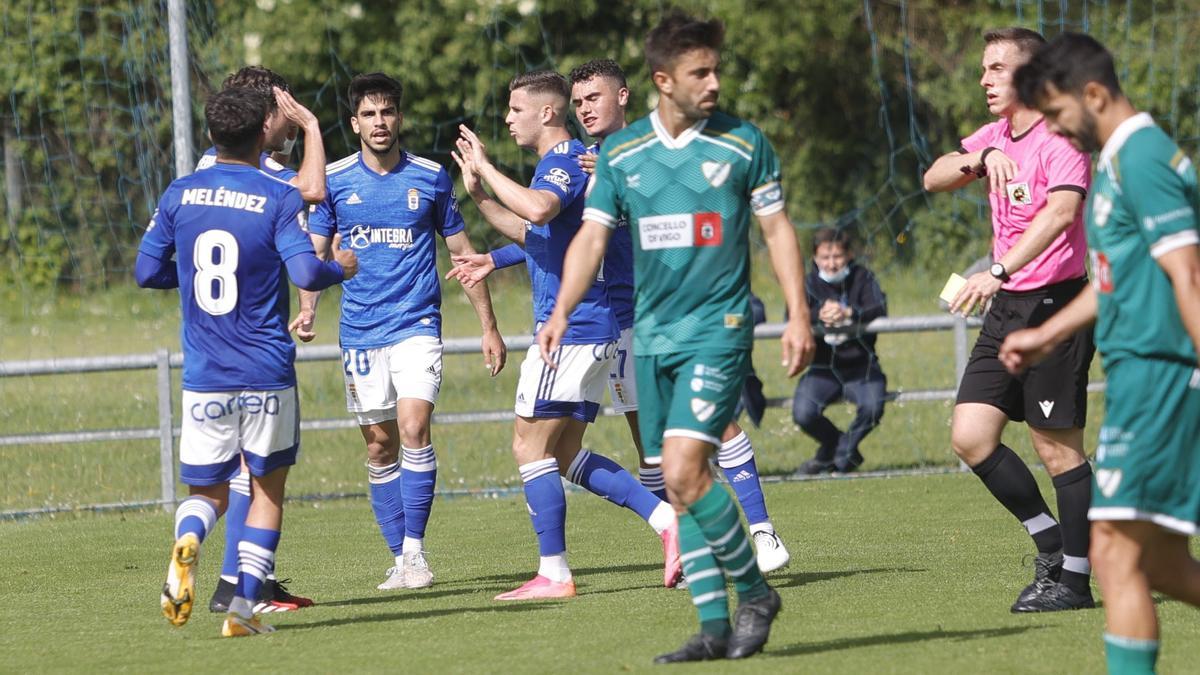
point(389, 221)
point(546, 245)
point(618, 267)
point(268, 165)
point(231, 227)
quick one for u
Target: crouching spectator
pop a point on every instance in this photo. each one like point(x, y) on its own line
point(843, 297)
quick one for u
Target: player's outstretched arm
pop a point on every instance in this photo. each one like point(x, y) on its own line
point(495, 353)
point(506, 222)
point(303, 325)
point(580, 265)
point(1025, 348)
point(152, 272)
point(310, 180)
point(310, 273)
point(1183, 269)
point(797, 339)
point(536, 206)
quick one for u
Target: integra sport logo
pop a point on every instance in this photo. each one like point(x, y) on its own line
point(362, 236)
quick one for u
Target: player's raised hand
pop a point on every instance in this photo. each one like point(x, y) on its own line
point(344, 257)
point(302, 325)
point(975, 293)
point(292, 110)
point(587, 162)
point(470, 172)
point(476, 150)
point(471, 269)
point(1000, 170)
point(495, 352)
point(550, 337)
point(1024, 348)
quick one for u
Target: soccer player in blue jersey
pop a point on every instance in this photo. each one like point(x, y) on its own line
point(554, 406)
point(390, 206)
point(1143, 228)
point(600, 95)
point(232, 230)
point(285, 117)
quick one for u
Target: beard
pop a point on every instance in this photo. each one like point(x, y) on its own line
point(1088, 137)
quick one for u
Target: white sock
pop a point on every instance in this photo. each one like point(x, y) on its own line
point(662, 517)
point(764, 526)
point(242, 607)
point(413, 545)
point(554, 567)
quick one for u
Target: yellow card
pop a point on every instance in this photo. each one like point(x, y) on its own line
point(953, 285)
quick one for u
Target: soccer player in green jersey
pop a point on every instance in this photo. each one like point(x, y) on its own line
point(1144, 235)
point(687, 178)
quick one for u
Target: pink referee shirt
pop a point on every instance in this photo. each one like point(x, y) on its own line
point(1045, 163)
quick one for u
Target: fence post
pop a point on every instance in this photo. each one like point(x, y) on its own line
point(166, 442)
point(961, 349)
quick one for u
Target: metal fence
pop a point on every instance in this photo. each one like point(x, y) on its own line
point(166, 431)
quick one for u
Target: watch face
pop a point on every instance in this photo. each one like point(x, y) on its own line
point(998, 271)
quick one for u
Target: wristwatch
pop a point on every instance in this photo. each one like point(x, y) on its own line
point(999, 272)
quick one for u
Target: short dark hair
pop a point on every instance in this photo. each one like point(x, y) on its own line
point(678, 34)
point(832, 235)
point(374, 85)
point(1068, 62)
point(542, 82)
point(598, 68)
point(259, 79)
point(1027, 41)
point(235, 119)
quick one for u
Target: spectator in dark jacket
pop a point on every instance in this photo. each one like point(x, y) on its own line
point(843, 298)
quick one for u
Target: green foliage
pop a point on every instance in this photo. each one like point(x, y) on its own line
point(858, 96)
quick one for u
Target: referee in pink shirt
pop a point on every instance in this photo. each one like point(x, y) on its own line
point(1036, 186)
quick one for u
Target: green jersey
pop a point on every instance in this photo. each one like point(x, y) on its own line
point(1143, 205)
point(688, 200)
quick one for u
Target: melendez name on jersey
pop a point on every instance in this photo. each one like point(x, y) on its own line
point(389, 221)
point(231, 228)
point(688, 200)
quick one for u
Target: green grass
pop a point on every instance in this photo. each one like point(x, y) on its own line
point(927, 592)
point(133, 321)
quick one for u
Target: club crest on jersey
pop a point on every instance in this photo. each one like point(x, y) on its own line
point(414, 199)
point(362, 236)
point(680, 230)
point(716, 173)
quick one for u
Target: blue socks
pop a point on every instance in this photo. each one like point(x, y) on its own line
point(256, 559)
point(547, 504)
point(195, 515)
point(418, 471)
point(388, 503)
point(235, 521)
point(736, 459)
point(652, 479)
point(604, 477)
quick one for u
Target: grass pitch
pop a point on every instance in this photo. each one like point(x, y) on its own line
point(900, 575)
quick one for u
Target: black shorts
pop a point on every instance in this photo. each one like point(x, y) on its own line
point(1050, 395)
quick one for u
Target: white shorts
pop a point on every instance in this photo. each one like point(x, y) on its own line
point(377, 378)
point(220, 428)
point(622, 385)
point(573, 389)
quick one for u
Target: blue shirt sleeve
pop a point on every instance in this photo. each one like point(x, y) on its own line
point(560, 174)
point(151, 272)
point(322, 219)
point(291, 226)
point(159, 239)
point(308, 272)
point(508, 256)
point(450, 221)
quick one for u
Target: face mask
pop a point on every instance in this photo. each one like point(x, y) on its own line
point(835, 278)
point(288, 145)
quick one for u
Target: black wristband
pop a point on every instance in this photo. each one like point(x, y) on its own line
point(983, 156)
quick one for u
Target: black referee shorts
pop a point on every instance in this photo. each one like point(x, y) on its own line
point(1050, 395)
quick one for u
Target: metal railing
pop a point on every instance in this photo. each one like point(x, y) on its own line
point(166, 431)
